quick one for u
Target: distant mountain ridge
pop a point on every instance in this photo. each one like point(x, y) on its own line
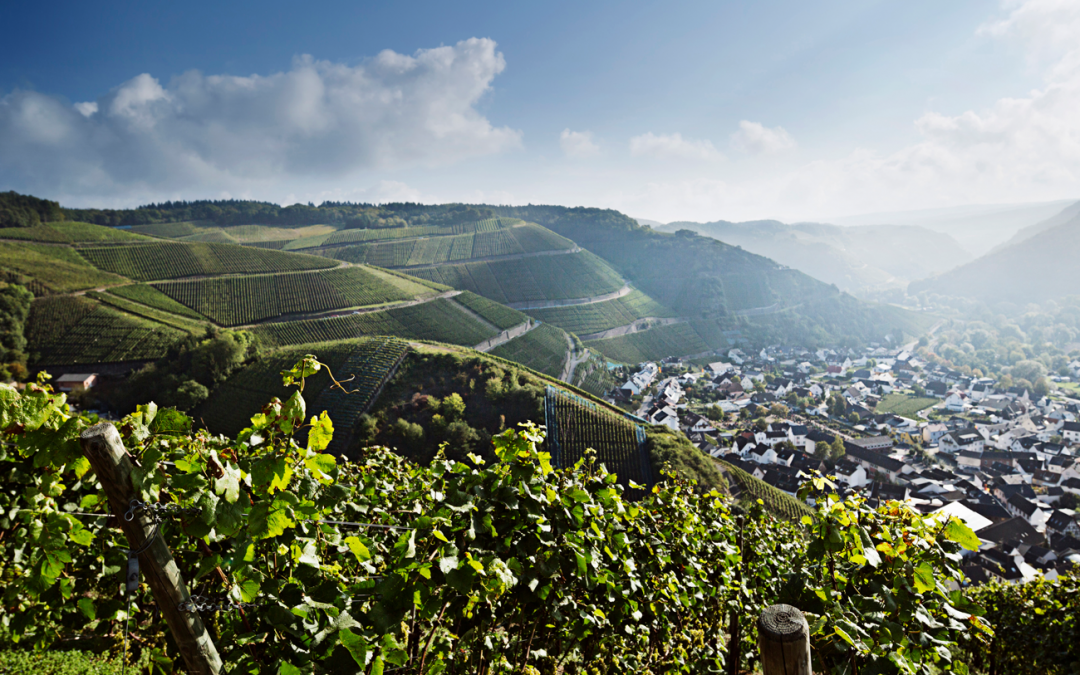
point(1039, 265)
point(1066, 214)
point(855, 259)
point(976, 227)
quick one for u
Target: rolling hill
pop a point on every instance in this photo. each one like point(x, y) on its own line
point(304, 274)
point(107, 295)
point(1037, 267)
point(856, 259)
point(703, 293)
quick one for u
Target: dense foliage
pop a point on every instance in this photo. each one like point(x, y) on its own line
point(1036, 627)
point(18, 210)
point(1018, 348)
point(14, 311)
point(507, 566)
point(192, 368)
point(243, 212)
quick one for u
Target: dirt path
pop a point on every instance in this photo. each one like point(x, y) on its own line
point(572, 361)
point(544, 304)
point(636, 326)
point(506, 336)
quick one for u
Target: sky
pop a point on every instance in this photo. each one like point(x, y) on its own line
point(701, 110)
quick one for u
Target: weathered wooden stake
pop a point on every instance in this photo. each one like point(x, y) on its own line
point(111, 463)
point(784, 640)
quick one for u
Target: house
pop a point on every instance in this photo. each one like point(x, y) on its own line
point(851, 473)
point(762, 454)
point(877, 443)
point(76, 381)
point(932, 432)
point(1062, 523)
point(874, 461)
point(964, 439)
point(955, 402)
point(666, 416)
point(1027, 509)
point(1070, 431)
point(1014, 531)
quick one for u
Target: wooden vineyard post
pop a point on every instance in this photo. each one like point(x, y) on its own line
point(784, 640)
point(102, 446)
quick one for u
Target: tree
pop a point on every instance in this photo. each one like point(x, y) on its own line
point(779, 410)
point(836, 405)
point(1042, 386)
point(452, 407)
point(836, 449)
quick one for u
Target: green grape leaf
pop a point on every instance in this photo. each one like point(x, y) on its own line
point(959, 532)
point(321, 432)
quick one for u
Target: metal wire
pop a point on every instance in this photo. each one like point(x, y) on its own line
point(157, 512)
point(203, 603)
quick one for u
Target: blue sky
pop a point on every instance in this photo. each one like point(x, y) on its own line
point(692, 110)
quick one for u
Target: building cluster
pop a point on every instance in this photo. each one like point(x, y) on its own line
point(1006, 461)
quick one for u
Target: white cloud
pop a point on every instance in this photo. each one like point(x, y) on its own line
point(673, 146)
point(221, 132)
point(1023, 147)
point(578, 144)
point(756, 139)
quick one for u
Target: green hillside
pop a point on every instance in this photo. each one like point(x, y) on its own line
point(701, 277)
point(544, 348)
point(68, 330)
point(849, 257)
point(600, 316)
point(57, 268)
point(168, 260)
point(234, 301)
point(654, 344)
point(530, 280)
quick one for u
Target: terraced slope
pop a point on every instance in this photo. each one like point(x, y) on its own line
point(532, 279)
point(680, 339)
point(543, 349)
point(575, 425)
point(66, 330)
point(600, 316)
point(439, 320)
point(235, 301)
point(169, 260)
point(500, 315)
point(361, 365)
point(436, 250)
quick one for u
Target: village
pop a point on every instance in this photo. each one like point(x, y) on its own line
point(888, 426)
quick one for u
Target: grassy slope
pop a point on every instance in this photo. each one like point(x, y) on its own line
point(697, 275)
point(544, 348)
point(59, 268)
point(601, 316)
point(654, 344)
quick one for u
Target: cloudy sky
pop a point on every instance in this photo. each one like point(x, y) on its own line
point(665, 110)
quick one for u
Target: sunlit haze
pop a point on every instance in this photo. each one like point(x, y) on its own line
point(667, 111)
